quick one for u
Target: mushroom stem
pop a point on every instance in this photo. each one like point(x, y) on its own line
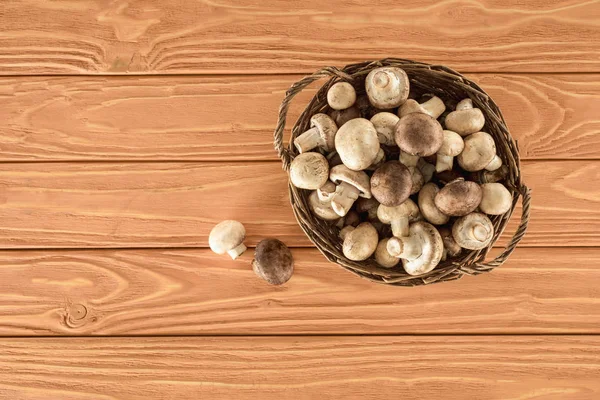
point(444, 163)
point(408, 248)
point(400, 227)
point(237, 251)
point(345, 195)
point(427, 170)
point(434, 107)
point(464, 104)
point(494, 164)
point(308, 140)
point(408, 159)
point(479, 233)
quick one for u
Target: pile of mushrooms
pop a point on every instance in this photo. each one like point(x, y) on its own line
point(407, 181)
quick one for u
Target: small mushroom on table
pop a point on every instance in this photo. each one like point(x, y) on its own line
point(309, 171)
point(458, 198)
point(391, 184)
point(360, 243)
point(384, 123)
point(399, 217)
point(433, 107)
point(479, 153)
point(452, 145)
point(228, 237)
point(357, 144)
point(350, 185)
point(322, 209)
point(273, 261)
point(465, 120)
point(427, 205)
point(473, 231)
point(382, 257)
point(341, 96)
point(418, 135)
point(387, 87)
point(321, 134)
point(420, 251)
point(496, 199)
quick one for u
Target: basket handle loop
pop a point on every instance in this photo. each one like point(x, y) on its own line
point(510, 247)
point(296, 88)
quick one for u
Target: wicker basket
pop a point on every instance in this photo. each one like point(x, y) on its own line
point(424, 78)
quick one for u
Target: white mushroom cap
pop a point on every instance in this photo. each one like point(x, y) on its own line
point(417, 180)
point(466, 119)
point(382, 257)
point(384, 123)
point(326, 191)
point(360, 243)
point(309, 171)
point(427, 170)
point(341, 96)
point(427, 205)
point(228, 237)
point(357, 144)
point(351, 185)
point(496, 199)
point(433, 107)
point(452, 145)
point(321, 134)
point(399, 216)
point(387, 87)
point(478, 153)
point(421, 251)
point(473, 231)
point(322, 209)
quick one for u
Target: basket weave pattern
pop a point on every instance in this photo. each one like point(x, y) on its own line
point(424, 78)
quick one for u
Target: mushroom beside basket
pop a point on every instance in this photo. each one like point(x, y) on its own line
point(426, 82)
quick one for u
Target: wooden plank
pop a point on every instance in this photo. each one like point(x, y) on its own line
point(232, 118)
point(522, 367)
point(73, 205)
point(150, 36)
point(192, 292)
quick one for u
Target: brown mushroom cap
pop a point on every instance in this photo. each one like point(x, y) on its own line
point(382, 257)
point(391, 183)
point(427, 205)
point(496, 199)
point(474, 231)
point(273, 261)
point(479, 151)
point(387, 87)
point(322, 209)
point(341, 96)
point(384, 123)
point(309, 171)
point(458, 197)
point(342, 116)
point(358, 179)
point(361, 243)
point(419, 134)
point(357, 144)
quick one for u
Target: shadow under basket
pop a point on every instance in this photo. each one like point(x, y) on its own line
point(450, 86)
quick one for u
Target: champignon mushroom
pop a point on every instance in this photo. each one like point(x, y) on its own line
point(473, 231)
point(427, 170)
point(479, 153)
point(496, 199)
point(458, 197)
point(228, 237)
point(417, 180)
point(334, 159)
point(451, 248)
point(378, 162)
point(273, 261)
point(420, 251)
point(384, 123)
point(321, 134)
point(361, 242)
point(342, 116)
point(391, 184)
point(346, 230)
point(341, 96)
point(382, 257)
point(326, 191)
point(387, 87)
point(399, 217)
point(352, 219)
point(369, 206)
point(418, 135)
point(309, 171)
point(357, 144)
point(433, 107)
point(322, 209)
point(350, 185)
point(465, 120)
point(452, 145)
point(486, 176)
point(427, 205)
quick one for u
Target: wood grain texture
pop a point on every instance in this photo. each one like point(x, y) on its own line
point(73, 205)
point(191, 292)
point(232, 118)
point(250, 36)
point(267, 368)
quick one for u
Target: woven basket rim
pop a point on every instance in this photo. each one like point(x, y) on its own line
point(434, 79)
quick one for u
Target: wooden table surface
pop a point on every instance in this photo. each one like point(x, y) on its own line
point(129, 128)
